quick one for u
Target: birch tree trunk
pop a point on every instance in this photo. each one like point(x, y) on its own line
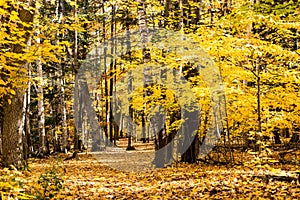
point(146, 58)
point(41, 110)
point(63, 112)
point(27, 146)
point(61, 79)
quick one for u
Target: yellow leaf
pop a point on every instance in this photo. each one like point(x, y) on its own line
point(12, 92)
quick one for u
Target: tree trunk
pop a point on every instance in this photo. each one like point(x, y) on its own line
point(28, 148)
point(167, 12)
point(26, 124)
point(160, 142)
point(111, 81)
point(63, 112)
point(276, 136)
point(12, 130)
point(61, 79)
point(295, 137)
point(106, 113)
point(146, 58)
point(129, 85)
point(41, 110)
point(130, 110)
point(130, 117)
point(76, 88)
point(53, 113)
point(191, 154)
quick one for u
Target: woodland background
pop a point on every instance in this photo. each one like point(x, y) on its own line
point(255, 45)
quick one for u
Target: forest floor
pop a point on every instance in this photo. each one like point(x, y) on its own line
point(90, 178)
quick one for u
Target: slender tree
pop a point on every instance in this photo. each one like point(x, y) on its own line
point(40, 93)
point(129, 86)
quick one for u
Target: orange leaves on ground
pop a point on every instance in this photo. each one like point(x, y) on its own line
point(88, 178)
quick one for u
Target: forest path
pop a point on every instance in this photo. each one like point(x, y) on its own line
point(118, 158)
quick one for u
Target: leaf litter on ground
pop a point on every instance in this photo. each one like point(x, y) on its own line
point(88, 178)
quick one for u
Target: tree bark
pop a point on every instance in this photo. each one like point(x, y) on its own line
point(111, 81)
point(62, 83)
point(12, 130)
point(129, 88)
point(191, 154)
point(41, 110)
point(295, 136)
point(76, 88)
point(63, 112)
